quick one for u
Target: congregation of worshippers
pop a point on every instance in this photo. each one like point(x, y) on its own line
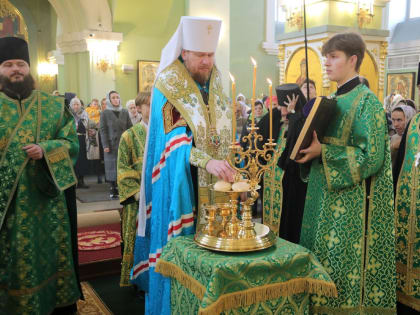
point(164, 142)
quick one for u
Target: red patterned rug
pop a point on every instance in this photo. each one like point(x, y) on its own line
point(97, 240)
point(99, 243)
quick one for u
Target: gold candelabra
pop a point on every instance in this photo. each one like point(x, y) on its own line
point(224, 231)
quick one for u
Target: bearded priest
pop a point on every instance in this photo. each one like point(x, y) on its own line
point(188, 141)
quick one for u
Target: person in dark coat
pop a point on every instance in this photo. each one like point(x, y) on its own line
point(114, 121)
point(293, 188)
point(81, 118)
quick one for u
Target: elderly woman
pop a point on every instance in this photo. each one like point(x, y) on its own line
point(114, 121)
point(400, 116)
point(135, 116)
point(82, 125)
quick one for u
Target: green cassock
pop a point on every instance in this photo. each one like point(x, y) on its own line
point(355, 242)
point(129, 167)
point(36, 266)
point(407, 206)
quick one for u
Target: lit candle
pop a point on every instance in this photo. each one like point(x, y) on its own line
point(254, 83)
point(270, 93)
point(233, 109)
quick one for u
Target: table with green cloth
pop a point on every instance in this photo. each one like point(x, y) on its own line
point(277, 280)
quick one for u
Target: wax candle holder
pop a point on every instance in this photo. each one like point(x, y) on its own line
point(243, 235)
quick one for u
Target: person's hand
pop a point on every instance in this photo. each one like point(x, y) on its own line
point(107, 150)
point(34, 151)
point(91, 132)
point(395, 144)
point(291, 104)
point(311, 152)
point(221, 169)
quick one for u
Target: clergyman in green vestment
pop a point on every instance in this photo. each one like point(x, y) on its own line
point(407, 212)
point(129, 168)
point(349, 218)
point(38, 148)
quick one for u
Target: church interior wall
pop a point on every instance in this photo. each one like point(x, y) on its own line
point(146, 27)
point(40, 19)
point(247, 34)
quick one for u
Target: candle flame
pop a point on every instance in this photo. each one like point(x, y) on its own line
point(269, 82)
point(232, 77)
point(254, 62)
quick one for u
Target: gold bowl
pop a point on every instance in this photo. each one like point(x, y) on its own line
point(264, 238)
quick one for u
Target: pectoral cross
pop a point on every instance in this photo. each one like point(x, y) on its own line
point(209, 28)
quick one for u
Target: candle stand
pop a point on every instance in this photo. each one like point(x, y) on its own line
point(224, 231)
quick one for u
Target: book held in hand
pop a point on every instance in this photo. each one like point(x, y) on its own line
point(320, 115)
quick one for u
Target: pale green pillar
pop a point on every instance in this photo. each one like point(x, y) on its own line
point(77, 78)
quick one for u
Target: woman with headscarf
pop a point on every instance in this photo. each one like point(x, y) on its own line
point(135, 116)
point(400, 116)
point(82, 121)
point(114, 121)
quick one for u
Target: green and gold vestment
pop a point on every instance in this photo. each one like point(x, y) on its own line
point(129, 168)
point(36, 266)
point(407, 206)
point(350, 230)
point(273, 187)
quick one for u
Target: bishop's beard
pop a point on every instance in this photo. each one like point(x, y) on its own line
point(17, 90)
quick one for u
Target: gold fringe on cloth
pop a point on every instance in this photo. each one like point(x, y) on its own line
point(170, 270)
point(250, 296)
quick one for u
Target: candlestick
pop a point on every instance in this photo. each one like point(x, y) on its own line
point(270, 93)
point(254, 83)
point(233, 109)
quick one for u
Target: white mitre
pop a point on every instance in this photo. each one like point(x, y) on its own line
point(193, 33)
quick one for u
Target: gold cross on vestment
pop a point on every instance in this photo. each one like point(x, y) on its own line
point(209, 28)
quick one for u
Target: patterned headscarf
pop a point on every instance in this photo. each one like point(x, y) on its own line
point(409, 112)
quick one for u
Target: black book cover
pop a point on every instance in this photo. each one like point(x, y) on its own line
point(321, 113)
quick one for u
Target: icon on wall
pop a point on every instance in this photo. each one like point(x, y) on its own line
point(401, 83)
point(146, 75)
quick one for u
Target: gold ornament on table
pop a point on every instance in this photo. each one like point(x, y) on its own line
point(224, 231)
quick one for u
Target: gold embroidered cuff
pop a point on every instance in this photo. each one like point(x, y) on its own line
point(199, 158)
point(60, 167)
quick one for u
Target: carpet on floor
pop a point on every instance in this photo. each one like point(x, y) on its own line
point(90, 256)
point(92, 304)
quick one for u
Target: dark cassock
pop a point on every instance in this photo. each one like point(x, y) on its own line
point(37, 200)
point(284, 190)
